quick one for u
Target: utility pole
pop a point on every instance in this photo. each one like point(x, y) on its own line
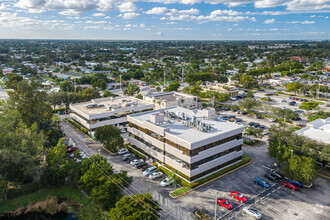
point(120, 81)
point(164, 77)
point(182, 76)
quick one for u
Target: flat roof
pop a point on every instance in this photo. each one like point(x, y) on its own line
point(318, 130)
point(108, 101)
point(186, 133)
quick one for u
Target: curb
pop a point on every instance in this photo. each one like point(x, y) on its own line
point(324, 176)
point(219, 177)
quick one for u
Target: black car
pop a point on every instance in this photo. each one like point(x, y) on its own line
point(277, 174)
point(251, 123)
point(144, 167)
point(292, 103)
point(262, 126)
point(258, 116)
point(243, 112)
point(141, 164)
point(271, 177)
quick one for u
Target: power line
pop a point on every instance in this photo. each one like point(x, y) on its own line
point(120, 186)
point(138, 190)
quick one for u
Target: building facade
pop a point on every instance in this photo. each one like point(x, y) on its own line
point(192, 142)
point(107, 111)
point(172, 99)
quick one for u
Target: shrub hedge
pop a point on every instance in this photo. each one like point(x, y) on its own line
point(77, 125)
point(245, 159)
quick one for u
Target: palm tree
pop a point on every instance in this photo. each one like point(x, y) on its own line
point(173, 176)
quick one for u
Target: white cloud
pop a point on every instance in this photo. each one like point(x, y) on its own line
point(269, 3)
point(129, 15)
point(160, 33)
point(173, 11)
point(4, 7)
point(269, 21)
point(142, 25)
point(127, 7)
point(157, 11)
point(98, 15)
point(300, 22)
point(308, 22)
point(69, 13)
point(226, 12)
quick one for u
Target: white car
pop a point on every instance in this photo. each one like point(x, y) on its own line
point(155, 175)
point(272, 119)
point(122, 151)
point(136, 161)
point(123, 130)
point(252, 212)
point(166, 182)
point(284, 108)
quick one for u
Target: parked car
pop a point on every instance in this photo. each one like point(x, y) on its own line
point(283, 100)
point(238, 120)
point(261, 182)
point(277, 174)
point(238, 196)
point(262, 126)
point(72, 149)
point(243, 112)
point(122, 151)
point(270, 177)
point(123, 130)
point(290, 185)
point(136, 161)
point(155, 175)
point(296, 182)
point(127, 156)
point(144, 167)
point(139, 165)
point(224, 203)
point(272, 119)
point(252, 212)
point(284, 108)
point(167, 181)
point(150, 170)
point(292, 103)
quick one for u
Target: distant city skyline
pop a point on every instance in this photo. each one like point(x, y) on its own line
point(165, 19)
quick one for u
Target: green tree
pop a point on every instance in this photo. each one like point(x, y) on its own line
point(100, 83)
point(174, 86)
point(175, 179)
point(3, 188)
point(54, 99)
point(249, 104)
point(88, 94)
point(280, 152)
point(135, 207)
point(131, 90)
point(67, 86)
point(139, 96)
point(294, 86)
point(21, 150)
point(301, 168)
point(30, 104)
point(109, 135)
point(249, 94)
point(102, 184)
point(158, 89)
point(107, 93)
point(309, 105)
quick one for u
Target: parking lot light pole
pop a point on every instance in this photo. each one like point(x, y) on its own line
point(215, 206)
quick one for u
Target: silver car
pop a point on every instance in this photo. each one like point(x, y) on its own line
point(155, 175)
point(252, 212)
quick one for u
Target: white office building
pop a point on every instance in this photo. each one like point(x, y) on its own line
point(172, 99)
point(192, 142)
point(107, 111)
point(318, 130)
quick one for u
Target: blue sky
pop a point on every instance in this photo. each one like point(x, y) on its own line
point(165, 19)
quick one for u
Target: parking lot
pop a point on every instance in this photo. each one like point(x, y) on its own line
point(277, 202)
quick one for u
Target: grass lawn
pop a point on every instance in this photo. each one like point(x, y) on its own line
point(70, 192)
point(179, 191)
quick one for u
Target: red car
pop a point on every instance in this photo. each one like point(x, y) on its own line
point(238, 196)
point(290, 185)
point(225, 203)
point(71, 149)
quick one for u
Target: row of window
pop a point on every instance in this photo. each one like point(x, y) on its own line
point(214, 169)
point(145, 142)
point(186, 151)
point(213, 157)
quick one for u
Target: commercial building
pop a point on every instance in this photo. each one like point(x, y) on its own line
point(172, 99)
point(222, 88)
point(192, 142)
point(318, 130)
point(107, 111)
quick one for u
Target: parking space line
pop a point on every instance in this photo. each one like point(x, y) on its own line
point(262, 198)
point(231, 217)
point(256, 201)
point(268, 194)
point(279, 187)
point(274, 190)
